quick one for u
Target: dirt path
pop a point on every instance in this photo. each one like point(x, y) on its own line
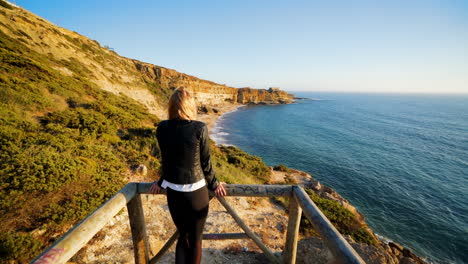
point(113, 244)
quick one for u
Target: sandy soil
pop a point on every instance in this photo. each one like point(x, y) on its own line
point(113, 244)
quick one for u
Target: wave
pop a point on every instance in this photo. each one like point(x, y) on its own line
point(218, 133)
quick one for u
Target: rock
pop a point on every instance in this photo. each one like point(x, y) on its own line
point(328, 190)
point(396, 252)
point(281, 227)
point(395, 245)
point(205, 109)
point(407, 260)
point(243, 202)
point(141, 169)
point(372, 254)
point(313, 248)
point(408, 253)
point(314, 185)
point(328, 196)
point(387, 248)
point(38, 232)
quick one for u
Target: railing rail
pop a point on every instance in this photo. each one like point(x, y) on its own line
point(70, 243)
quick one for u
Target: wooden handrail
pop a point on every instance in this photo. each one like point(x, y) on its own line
point(67, 246)
point(239, 190)
point(340, 248)
point(72, 241)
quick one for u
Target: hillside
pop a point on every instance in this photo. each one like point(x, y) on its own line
point(77, 120)
point(70, 53)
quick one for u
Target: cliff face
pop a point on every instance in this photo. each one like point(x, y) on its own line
point(256, 96)
point(210, 93)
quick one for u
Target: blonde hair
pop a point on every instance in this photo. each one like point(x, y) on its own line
point(182, 105)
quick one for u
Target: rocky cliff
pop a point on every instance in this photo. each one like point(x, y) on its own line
point(210, 93)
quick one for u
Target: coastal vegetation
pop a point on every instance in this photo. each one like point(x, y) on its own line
point(235, 166)
point(346, 222)
point(67, 145)
point(65, 148)
point(282, 168)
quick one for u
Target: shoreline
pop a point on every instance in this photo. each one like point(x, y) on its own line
point(211, 119)
point(394, 250)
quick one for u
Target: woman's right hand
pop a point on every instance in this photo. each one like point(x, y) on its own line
point(220, 190)
point(155, 189)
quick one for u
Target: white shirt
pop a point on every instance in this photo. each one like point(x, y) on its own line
point(184, 187)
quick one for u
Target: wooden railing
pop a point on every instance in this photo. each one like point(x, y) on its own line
point(64, 248)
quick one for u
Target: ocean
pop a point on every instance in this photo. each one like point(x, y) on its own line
point(401, 159)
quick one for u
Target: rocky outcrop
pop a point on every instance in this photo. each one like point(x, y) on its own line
point(382, 252)
point(315, 248)
point(262, 96)
point(210, 93)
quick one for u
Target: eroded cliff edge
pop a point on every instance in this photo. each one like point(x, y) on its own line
point(210, 93)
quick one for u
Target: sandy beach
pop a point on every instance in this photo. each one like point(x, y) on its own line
point(211, 118)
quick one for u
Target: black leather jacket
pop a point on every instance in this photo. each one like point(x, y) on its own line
point(185, 152)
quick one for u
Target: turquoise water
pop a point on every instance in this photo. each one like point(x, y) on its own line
point(402, 160)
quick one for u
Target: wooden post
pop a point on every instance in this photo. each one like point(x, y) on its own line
point(64, 248)
point(226, 236)
point(340, 248)
point(290, 248)
point(247, 230)
point(138, 227)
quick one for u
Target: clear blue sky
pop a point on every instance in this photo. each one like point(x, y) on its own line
point(378, 46)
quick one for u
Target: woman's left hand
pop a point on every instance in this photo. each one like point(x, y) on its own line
point(155, 189)
point(220, 190)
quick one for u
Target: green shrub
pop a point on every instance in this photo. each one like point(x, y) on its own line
point(43, 168)
point(18, 246)
point(253, 165)
point(282, 168)
point(343, 220)
point(86, 121)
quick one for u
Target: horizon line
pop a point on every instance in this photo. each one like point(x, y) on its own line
point(379, 92)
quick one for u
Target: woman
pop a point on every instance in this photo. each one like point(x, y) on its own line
point(187, 173)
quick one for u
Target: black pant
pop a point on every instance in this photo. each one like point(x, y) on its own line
point(189, 211)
